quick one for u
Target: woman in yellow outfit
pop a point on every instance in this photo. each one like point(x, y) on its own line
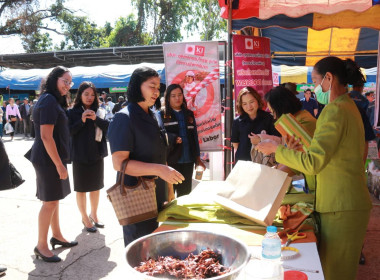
point(336, 157)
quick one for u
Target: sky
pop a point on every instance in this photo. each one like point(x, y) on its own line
point(97, 10)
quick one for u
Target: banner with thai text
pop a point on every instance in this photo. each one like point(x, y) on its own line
point(252, 63)
point(195, 66)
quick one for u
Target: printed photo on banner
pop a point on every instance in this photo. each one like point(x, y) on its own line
point(195, 67)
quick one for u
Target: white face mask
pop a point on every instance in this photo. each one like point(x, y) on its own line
point(322, 97)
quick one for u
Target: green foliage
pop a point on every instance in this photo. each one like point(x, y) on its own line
point(80, 32)
point(206, 20)
point(163, 19)
point(37, 42)
point(157, 21)
point(23, 17)
point(125, 33)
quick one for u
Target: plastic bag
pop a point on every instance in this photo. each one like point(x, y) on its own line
point(8, 128)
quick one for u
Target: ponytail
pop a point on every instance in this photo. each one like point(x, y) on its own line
point(354, 76)
point(347, 71)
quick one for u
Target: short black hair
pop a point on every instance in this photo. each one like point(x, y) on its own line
point(307, 90)
point(368, 93)
point(139, 76)
point(347, 71)
point(282, 101)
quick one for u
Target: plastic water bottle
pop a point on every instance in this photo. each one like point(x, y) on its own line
point(271, 246)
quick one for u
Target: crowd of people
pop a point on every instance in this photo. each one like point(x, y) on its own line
point(162, 145)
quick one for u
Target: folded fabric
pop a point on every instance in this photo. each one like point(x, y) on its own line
point(293, 216)
point(287, 125)
point(204, 209)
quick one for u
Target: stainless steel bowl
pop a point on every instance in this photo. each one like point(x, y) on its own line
point(180, 243)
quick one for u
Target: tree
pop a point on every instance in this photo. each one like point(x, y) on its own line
point(206, 20)
point(161, 19)
point(37, 42)
point(24, 17)
point(81, 33)
point(126, 33)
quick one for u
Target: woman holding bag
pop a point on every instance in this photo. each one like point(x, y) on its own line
point(12, 113)
point(89, 147)
point(180, 125)
point(136, 132)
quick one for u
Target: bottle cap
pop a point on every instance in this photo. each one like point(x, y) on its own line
point(271, 229)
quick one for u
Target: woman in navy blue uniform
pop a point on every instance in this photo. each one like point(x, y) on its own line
point(50, 154)
point(89, 147)
point(136, 132)
point(181, 127)
point(252, 119)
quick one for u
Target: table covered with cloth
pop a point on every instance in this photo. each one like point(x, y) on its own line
point(199, 211)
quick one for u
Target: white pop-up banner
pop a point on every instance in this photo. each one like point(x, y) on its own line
point(195, 66)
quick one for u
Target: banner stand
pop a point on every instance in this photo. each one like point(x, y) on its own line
point(377, 106)
point(228, 154)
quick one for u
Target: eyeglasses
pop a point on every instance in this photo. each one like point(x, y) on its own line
point(66, 82)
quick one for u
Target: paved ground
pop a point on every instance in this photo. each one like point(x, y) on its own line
point(99, 255)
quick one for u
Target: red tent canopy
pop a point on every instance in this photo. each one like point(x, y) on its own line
point(264, 9)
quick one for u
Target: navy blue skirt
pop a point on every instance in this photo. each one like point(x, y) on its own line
point(88, 177)
point(49, 186)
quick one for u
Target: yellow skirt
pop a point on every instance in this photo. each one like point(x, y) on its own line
point(342, 237)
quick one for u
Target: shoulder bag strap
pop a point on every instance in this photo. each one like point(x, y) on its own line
point(121, 179)
point(122, 175)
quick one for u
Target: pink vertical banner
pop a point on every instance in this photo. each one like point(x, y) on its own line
point(252, 63)
point(195, 67)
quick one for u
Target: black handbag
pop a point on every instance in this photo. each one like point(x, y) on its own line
point(16, 177)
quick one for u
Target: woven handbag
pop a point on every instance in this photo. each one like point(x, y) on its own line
point(133, 204)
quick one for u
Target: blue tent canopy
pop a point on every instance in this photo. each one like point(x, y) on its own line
point(119, 75)
point(102, 76)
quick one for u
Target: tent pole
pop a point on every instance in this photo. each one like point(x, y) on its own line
point(377, 94)
point(229, 104)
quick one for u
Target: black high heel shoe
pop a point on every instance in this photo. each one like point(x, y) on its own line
point(53, 258)
point(98, 225)
point(89, 229)
point(55, 241)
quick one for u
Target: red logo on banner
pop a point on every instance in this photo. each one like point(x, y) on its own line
point(190, 49)
point(251, 44)
point(200, 50)
point(195, 50)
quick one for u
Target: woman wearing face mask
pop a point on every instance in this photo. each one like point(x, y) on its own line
point(182, 130)
point(335, 156)
point(252, 119)
point(50, 154)
point(89, 147)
